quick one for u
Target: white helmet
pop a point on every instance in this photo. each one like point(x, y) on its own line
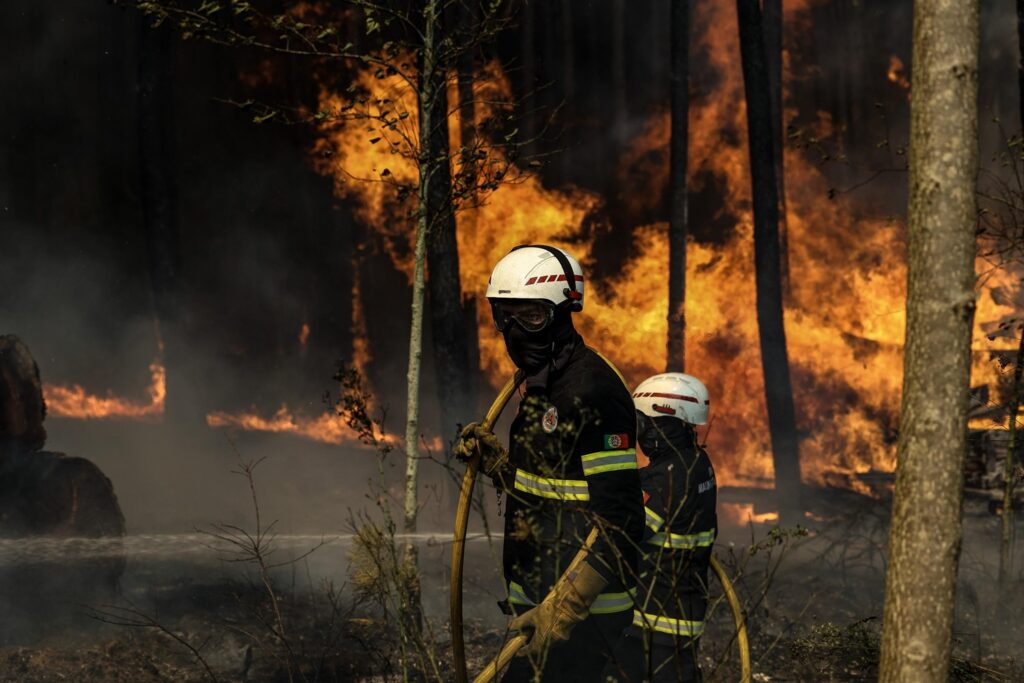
point(673, 394)
point(538, 272)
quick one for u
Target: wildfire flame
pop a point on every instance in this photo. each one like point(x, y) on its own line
point(897, 73)
point(325, 428)
point(741, 514)
point(845, 314)
point(74, 401)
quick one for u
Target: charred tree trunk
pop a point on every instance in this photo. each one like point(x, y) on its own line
point(924, 541)
point(448, 324)
point(568, 76)
point(773, 56)
point(771, 326)
point(678, 186)
point(618, 75)
point(159, 196)
point(568, 53)
point(529, 96)
point(1005, 546)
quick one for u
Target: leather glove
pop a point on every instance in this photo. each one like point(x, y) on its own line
point(566, 605)
point(475, 438)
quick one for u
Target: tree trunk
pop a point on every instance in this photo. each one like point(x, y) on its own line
point(429, 164)
point(773, 57)
point(924, 542)
point(568, 78)
point(448, 325)
point(768, 275)
point(158, 196)
point(1005, 547)
point(568, 53)
point(528, 103)
point(678, 187)
point(618, 71)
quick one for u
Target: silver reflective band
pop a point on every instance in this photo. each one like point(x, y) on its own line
point(609, 461)
point(606, 603)
point(558, 489)
point(654, 521)
point(676, 627)
point(704, 539)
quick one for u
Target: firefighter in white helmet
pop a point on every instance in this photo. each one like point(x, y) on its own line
point(570, 466)
point(679, 503)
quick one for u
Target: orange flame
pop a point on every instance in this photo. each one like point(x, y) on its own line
point(75, 402)
point(325, 428)
point(845, 312)
point(897, 73)
point(741, 514)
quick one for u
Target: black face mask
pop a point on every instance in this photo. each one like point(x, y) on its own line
point(530, 351)
point(661, 435)
point(534, 352)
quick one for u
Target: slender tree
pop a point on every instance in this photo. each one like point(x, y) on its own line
point(924, 542)
point(448, 324)
point(1009, 471)
point(1009, 477)
point(768, 274)
point(528, 47)
point(773, 26)
point(618, 66)
point(159, 196)
point(678, 221)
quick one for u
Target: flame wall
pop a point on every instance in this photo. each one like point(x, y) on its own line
point(845, 310)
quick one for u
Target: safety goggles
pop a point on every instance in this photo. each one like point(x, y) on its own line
point(532, 316)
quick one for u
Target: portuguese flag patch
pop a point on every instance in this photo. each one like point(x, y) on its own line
point(613, 442)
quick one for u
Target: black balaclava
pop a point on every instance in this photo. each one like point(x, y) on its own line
point(538, 353)
point(660, 436)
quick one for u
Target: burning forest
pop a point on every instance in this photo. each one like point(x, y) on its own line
point(668, 327)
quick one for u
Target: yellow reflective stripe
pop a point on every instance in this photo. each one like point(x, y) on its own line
point(654, 520)
point(703, 539)
point(558, 489)
point(516, 594)
point(676, 627)
point(609, 461)
point(605, 603)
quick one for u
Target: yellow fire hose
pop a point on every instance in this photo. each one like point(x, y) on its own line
point(462, 522)
point(737, 616)
point(511, 647)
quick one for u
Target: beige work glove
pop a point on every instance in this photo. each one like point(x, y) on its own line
point(566, 605)
point(475, 438)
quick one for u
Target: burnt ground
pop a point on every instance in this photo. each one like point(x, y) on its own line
point(189, 613)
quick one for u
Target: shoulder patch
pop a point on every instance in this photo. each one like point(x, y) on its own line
point(550, 420)
point(616, 441)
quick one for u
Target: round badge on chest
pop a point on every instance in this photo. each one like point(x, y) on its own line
point(550, 420)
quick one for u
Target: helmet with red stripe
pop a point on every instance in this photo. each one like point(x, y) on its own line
point(673, 394)
point(538, 272)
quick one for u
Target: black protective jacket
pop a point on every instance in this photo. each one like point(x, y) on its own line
point(573, 459)
point(680, 497)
